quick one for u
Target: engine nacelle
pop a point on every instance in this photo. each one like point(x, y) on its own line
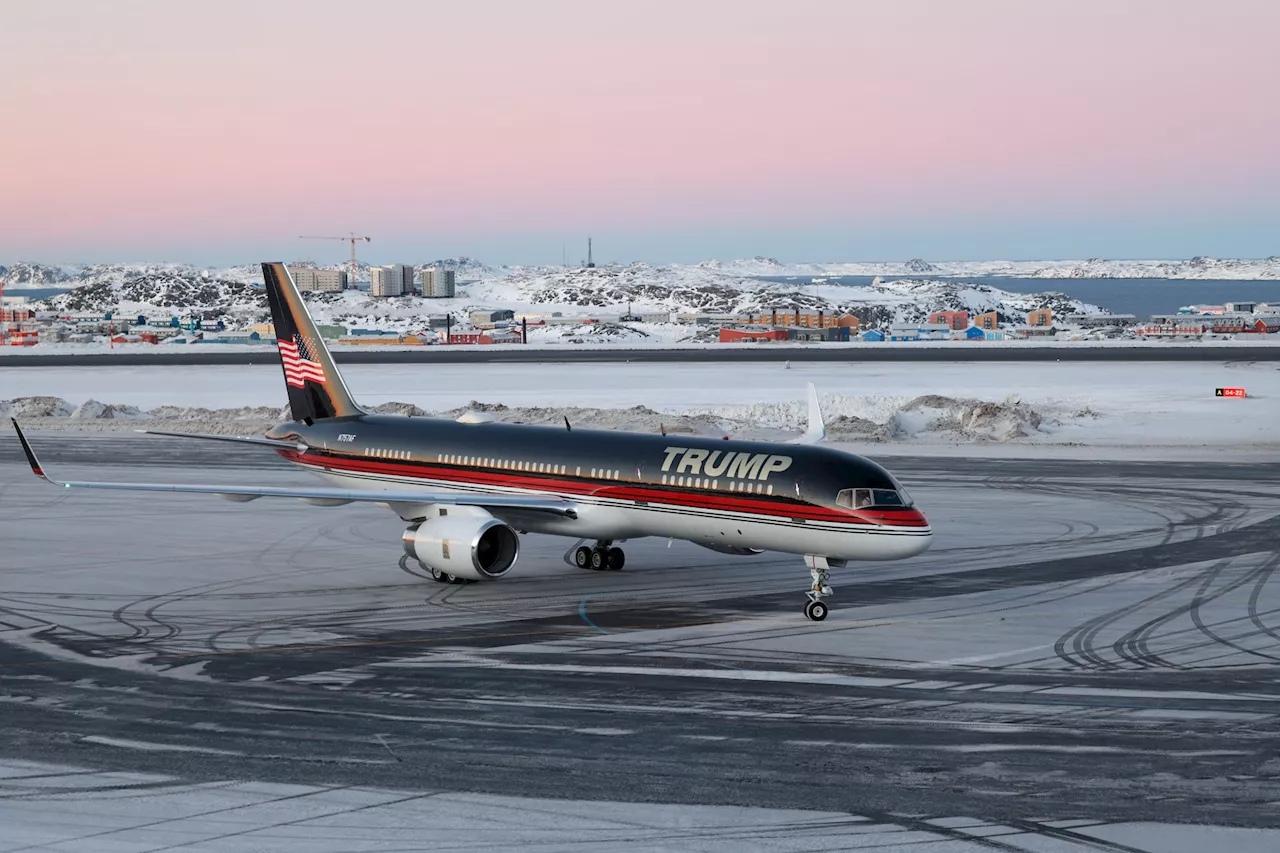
point(465, 544)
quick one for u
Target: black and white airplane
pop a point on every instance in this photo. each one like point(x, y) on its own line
point(467, 486)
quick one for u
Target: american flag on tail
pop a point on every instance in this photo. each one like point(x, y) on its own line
point(298, 364)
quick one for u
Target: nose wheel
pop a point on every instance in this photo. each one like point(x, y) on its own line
point(815, 609)
point(603, 557)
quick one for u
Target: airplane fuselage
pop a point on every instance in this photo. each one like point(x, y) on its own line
point(724, 494)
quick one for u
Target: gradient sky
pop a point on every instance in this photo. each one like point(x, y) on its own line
point(671, 131)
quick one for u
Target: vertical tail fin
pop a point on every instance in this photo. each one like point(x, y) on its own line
point(316, 389)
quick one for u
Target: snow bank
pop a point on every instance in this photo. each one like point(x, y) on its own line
point(874, 418)
point(36, 407)
point(888, 418)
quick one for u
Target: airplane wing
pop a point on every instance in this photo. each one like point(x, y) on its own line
point(817, 431)
point(405, 502)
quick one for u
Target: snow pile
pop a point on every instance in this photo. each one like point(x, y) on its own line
point(595, 333)
point(961, 419)
point(889, 418)
point(245, 414)
point(93, 410)
point(634, 419)
point(36, 407)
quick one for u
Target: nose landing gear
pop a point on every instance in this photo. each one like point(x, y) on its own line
point(602, 557)
point(815, 609)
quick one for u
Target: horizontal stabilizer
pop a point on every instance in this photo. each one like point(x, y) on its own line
point(238, 439)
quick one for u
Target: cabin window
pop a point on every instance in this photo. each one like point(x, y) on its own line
point(770, 489)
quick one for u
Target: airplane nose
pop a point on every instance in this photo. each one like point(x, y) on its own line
point(922, 543)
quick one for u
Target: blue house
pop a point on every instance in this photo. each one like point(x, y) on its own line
point(872, 335)
point(973, 333)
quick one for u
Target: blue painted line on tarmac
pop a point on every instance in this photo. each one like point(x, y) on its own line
point(582, 614)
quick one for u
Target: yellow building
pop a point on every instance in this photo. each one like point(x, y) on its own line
point(813, 321)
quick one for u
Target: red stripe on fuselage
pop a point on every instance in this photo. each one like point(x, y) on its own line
point(776, 505)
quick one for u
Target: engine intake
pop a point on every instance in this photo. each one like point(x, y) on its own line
point(471, 545)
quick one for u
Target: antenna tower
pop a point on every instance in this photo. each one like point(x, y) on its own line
point(590, 263)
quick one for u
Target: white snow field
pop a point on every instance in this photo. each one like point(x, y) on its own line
point(75, 810)
point(1125, 405)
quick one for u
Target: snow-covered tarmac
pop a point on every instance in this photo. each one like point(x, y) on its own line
point(76, 810)
point(1084, 662)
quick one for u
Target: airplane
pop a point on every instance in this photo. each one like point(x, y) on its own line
point(467, 487)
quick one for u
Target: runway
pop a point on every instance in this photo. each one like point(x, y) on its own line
point(1086, 659)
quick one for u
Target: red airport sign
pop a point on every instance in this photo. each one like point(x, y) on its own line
point(1229, 392)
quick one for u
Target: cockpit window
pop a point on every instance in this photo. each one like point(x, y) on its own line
point(868, 498)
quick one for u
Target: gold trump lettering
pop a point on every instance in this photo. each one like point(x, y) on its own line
point(719, 463)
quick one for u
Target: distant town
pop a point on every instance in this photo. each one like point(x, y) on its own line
point(24, 325)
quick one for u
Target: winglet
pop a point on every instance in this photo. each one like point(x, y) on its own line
point(817, 430)
point(31, 454)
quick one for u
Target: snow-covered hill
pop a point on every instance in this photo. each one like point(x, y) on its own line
point(177, 291)
point(1195, 268)
point(710, 273)
point(24, 275)
point(600, 292)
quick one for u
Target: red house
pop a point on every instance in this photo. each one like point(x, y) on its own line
point(735, 336)
point(956, 320)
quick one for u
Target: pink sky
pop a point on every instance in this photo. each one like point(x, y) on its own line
point(216, 131)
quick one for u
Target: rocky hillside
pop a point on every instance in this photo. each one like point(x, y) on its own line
point(168, 292)
point(180, 290)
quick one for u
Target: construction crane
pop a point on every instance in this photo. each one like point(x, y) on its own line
point(351, 238)
point(4, 324)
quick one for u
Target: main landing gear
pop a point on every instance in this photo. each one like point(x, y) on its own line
point(815, 609)
point(444, 577)
point(602, 557)
point(436, 575)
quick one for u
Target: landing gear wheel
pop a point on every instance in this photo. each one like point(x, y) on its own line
point(615, 559)
point(439, 576)
point(582, 557)
point(815, 610)
point(457, 580)
point(598, 559)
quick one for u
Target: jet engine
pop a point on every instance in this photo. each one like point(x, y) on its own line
point(472, 545)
